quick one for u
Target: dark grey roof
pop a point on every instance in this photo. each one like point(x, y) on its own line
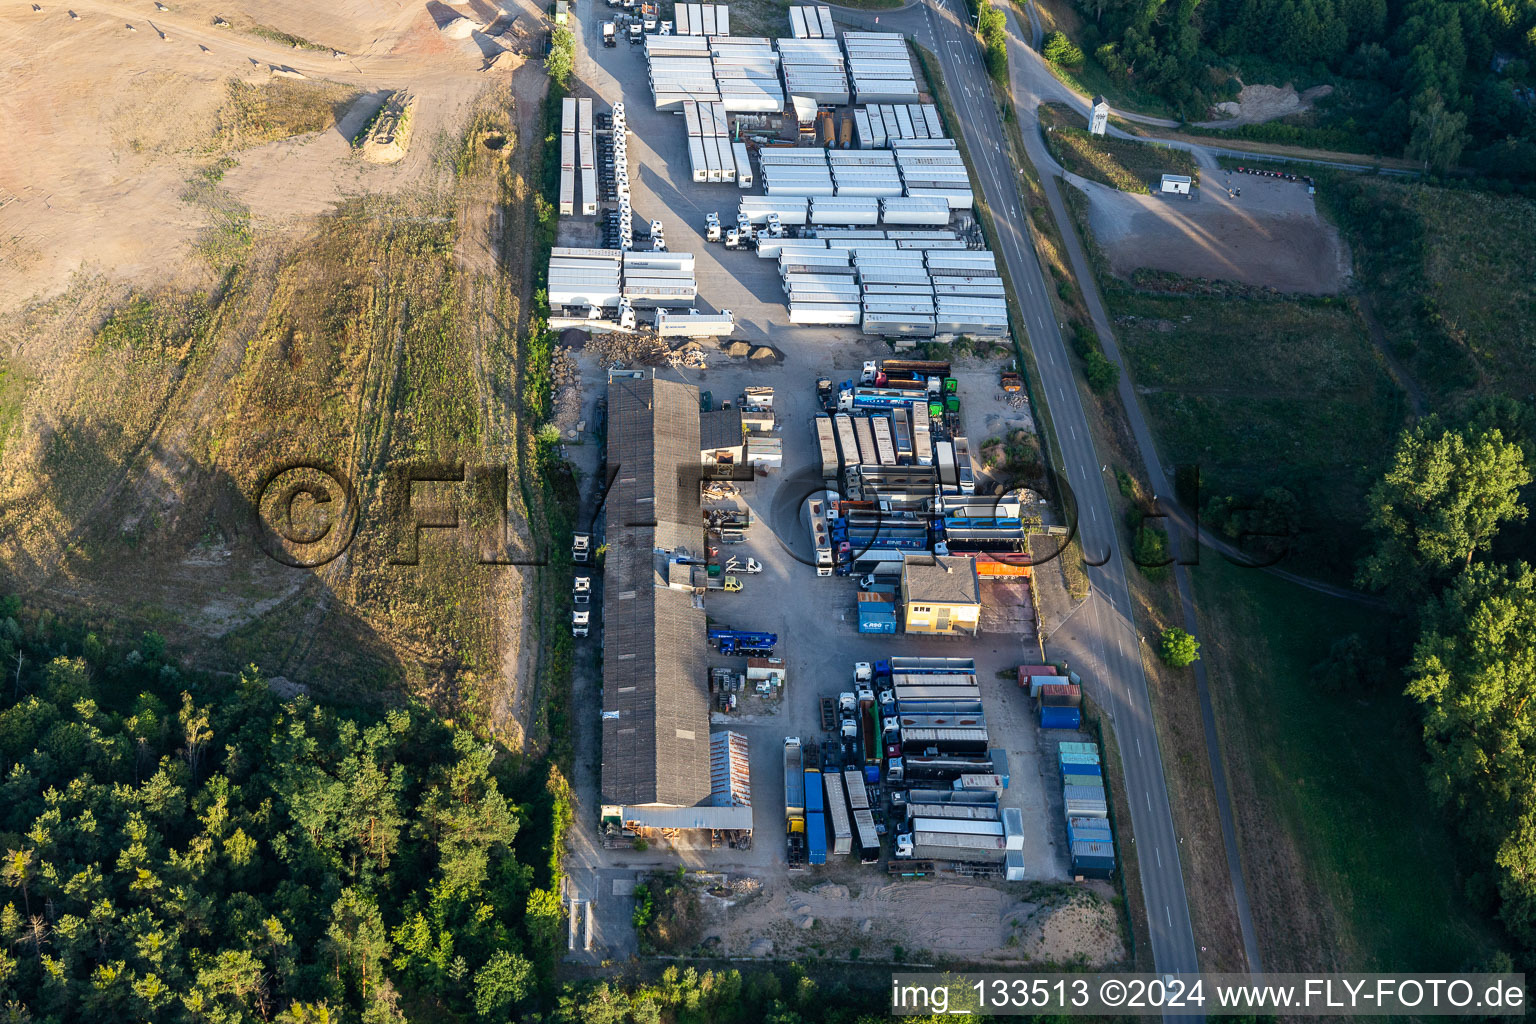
point(656, 751)
point(720, 428)
point(941, 579)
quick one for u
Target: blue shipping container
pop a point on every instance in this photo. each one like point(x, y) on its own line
point(1068, 768)
point(1089, 835)
point(1093, 860)
point(813, 800)
point(872, 774)
point(816, 837)
point(876, 623)
point(1000, 764)
point(1060, 718)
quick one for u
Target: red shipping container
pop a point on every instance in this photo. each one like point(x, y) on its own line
point(1025, 671)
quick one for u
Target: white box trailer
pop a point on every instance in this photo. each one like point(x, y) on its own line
point(825, 314)
point(588, 192)
point(929, 210)
point(693, 324)
point(957, 198)
point(743, 165)
point(696, 160)
point(567, 191)
point(838, 210)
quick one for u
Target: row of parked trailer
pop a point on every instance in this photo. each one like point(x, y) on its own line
point(578, 151)
point(879, 67)
point(891, 291)
point(701, 19)
point(613, 280)
point(877, 125)
point(712, 155)
point(806, 22)
point(740, 72)
point(827, 809)
point(935, 170)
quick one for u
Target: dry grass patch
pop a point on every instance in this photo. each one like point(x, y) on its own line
point(279, 109)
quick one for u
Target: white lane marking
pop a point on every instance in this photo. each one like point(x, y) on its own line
point(1169, 913)
point(1149, 792)
point(1159, 851)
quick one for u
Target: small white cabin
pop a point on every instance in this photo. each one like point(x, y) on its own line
point(1177, 183)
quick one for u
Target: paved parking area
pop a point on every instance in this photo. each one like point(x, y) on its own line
point(814, 617)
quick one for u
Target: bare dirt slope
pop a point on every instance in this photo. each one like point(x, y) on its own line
point(1259, 103)
point(916, 919)
point(105, 122)
point(200, 278)
point(1271, 236)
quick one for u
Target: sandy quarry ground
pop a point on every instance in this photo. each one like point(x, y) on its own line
point(1259, 103)
point(104, 125)
point(1271, 236)
point(965, 922)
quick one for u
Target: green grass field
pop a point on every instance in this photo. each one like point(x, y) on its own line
point(1119, 163)
point(1346, 855)
point(1261, 393)
point(1449, 274)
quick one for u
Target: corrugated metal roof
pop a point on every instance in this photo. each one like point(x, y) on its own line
point(656, 750)
point(720, 428)
point(730, 779)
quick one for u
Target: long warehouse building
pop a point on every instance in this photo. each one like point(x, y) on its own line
point(657, 768)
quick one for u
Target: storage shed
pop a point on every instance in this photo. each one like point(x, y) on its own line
point(1178, 184)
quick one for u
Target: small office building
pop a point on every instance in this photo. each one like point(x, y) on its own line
point(941, 594)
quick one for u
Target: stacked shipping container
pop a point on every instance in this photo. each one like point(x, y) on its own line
point(1089, 835)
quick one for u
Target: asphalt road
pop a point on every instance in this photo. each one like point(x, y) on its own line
point(1101, 641)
